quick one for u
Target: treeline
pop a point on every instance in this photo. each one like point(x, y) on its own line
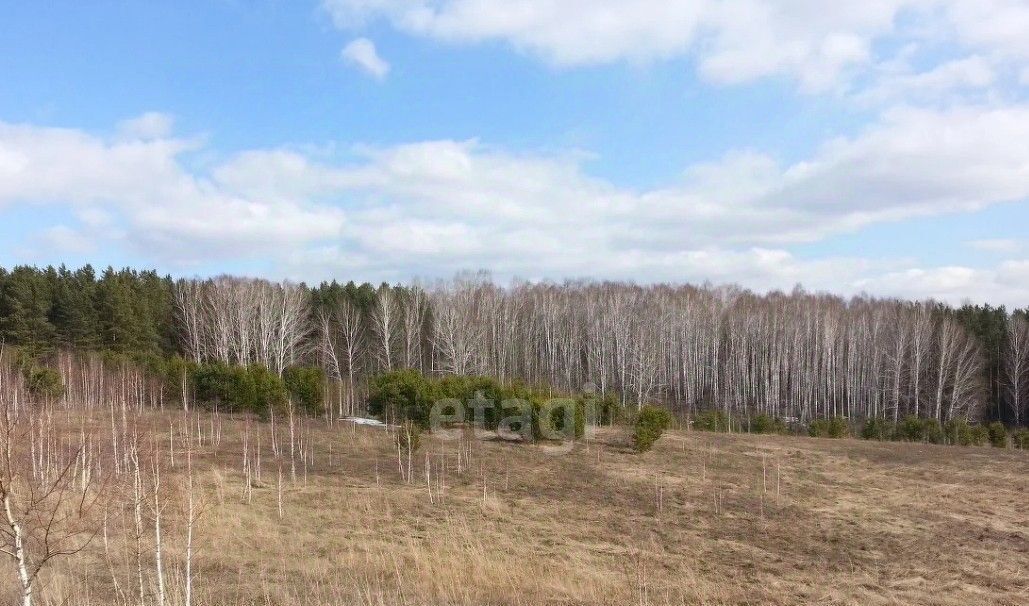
point(46, 310)
point(792, 355)
point(957, 431)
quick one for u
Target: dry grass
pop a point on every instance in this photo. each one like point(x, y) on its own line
point(702, 519)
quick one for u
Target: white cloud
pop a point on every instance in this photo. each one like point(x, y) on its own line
point(546, 217)
point(731, 40)
point(432, 208)
point(1005, 284)
point(1008, 246)
point(166, 209)
point(915, 162)
point(362, 54)
point(996, 25)
point(941, 83)
point(736, 40)
point(151, 125)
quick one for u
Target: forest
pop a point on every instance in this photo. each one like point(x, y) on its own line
point(185, 441)
point(797, 356)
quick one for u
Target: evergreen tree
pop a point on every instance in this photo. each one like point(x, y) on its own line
point(72, 312)
point(118, 321)
point(25, 309)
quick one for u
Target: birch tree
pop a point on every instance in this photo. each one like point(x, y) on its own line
point(1016, 367)
point(48, 510)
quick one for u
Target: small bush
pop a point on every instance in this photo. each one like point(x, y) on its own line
point(44, 383)
point(483, 397)
point(651, 422)
point(763, 423)
point(178, 374)
point(933, 431)
point(260, 390)
point(409, 395)
point(916, 429)
point(559, 414)
point(959, 432)
point(980, 435)
point(241, 389)
point(835, 427)
point(711, 420)
point(306, 386)
point(998, 434)
point(878, 429)
point(1021, 439)
point(607, 409)
point(911, 429)
point(402, 394)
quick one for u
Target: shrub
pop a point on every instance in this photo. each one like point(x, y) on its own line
point(651, 422)
point(210, 382)
point(910, 429)
point(1021, 439)
point(834, 427)
point(878, 429)
point(934, 431)
point(306, 386)
point(916, 429)
point(44, 383)
point(481, 396)
point(998, 434)
point(402, 394)
point(258, 390)
point(178, 375)
point(711, 420)
point(242, 389)
point(558, 416)
point(959, 432)
point(409, 395)
point(607, 409)
point(763, 423)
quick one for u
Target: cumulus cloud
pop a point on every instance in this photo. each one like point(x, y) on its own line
point(995, 25)
point(1005, 284)
point(731, 40)
point(436, 207)
point(142, 181)
point(943, 83)
point(362, 54)
point(914, 162)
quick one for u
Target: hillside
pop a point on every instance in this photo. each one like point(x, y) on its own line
point(703, 518)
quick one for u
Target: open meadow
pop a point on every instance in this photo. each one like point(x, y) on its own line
point(703, 518)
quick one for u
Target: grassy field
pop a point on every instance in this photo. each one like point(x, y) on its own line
point(702, 519)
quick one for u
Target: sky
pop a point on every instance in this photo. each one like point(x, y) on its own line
point(880, 147)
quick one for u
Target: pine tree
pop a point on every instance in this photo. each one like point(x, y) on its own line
point(73, 313)
point(24, 309)
point(118, 321)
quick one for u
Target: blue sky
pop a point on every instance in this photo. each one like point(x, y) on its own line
point(881, 148)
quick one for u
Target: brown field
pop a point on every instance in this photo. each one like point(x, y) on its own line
point(702, 519)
